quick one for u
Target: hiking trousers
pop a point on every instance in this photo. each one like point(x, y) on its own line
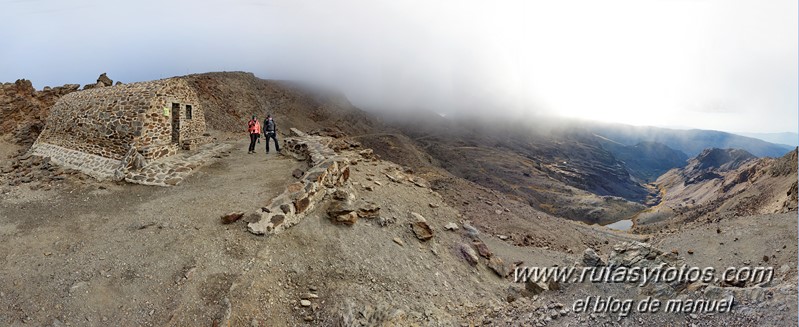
point(271, 135)
point(253, 139)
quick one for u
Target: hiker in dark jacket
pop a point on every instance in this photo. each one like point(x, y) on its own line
point(270, 131)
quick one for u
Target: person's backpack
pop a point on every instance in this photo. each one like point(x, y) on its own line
point(269, 126)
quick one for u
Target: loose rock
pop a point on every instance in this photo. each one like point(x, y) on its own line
point(468, 253)
point(591, 258)
point(232, 217)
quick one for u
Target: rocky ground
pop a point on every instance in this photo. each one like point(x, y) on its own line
point(89, 253)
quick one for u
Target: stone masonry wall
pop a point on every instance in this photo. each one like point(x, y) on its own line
point(327, 171)
point(92, 165)
point(107, 121)
point(190, 130)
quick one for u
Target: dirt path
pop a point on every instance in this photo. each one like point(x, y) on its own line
point(133, 255)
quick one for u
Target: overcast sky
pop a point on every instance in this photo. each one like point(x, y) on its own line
point(728, 65)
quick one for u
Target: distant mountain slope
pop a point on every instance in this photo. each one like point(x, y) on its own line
point(720, 183)
point(691, 142)
point(719, 160)
point(229, 99)
point(563, 173)
point(646, 161)
point(787, 138)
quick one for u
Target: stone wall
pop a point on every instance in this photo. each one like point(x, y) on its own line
point(90, 164)
point(108, 121)
point(327, 171)
point(313, 149)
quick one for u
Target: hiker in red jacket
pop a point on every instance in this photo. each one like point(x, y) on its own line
point(254, 128)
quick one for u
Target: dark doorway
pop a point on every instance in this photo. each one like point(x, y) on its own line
point(176, 123)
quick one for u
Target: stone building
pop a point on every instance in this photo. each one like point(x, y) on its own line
point(103, 130)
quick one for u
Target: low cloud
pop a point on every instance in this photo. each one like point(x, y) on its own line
point(728, 65)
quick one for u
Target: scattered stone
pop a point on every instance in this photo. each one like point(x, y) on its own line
point(232, 217)
point(591, 258)
point(498, 266)
point(638, 254)
point(765, 258)
point(553, 285)
point(419, 182)
point(285, 208)
point(367, 154)
point(339, 211)
point(340, 195)
point(305, 303)
point(451, 226)
point(77, 286)
point(417, 217)
point(348, 219)
point(534, 288)
point(468, 253)
point(385, 221)
point(370, 210)
point(505, 237)
point(482, 249)
point(308, 296)
point(297, 173)
point(399, 241)
point(433, 205)
point(470, 230)
point(422, 230)
point(690, 251)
